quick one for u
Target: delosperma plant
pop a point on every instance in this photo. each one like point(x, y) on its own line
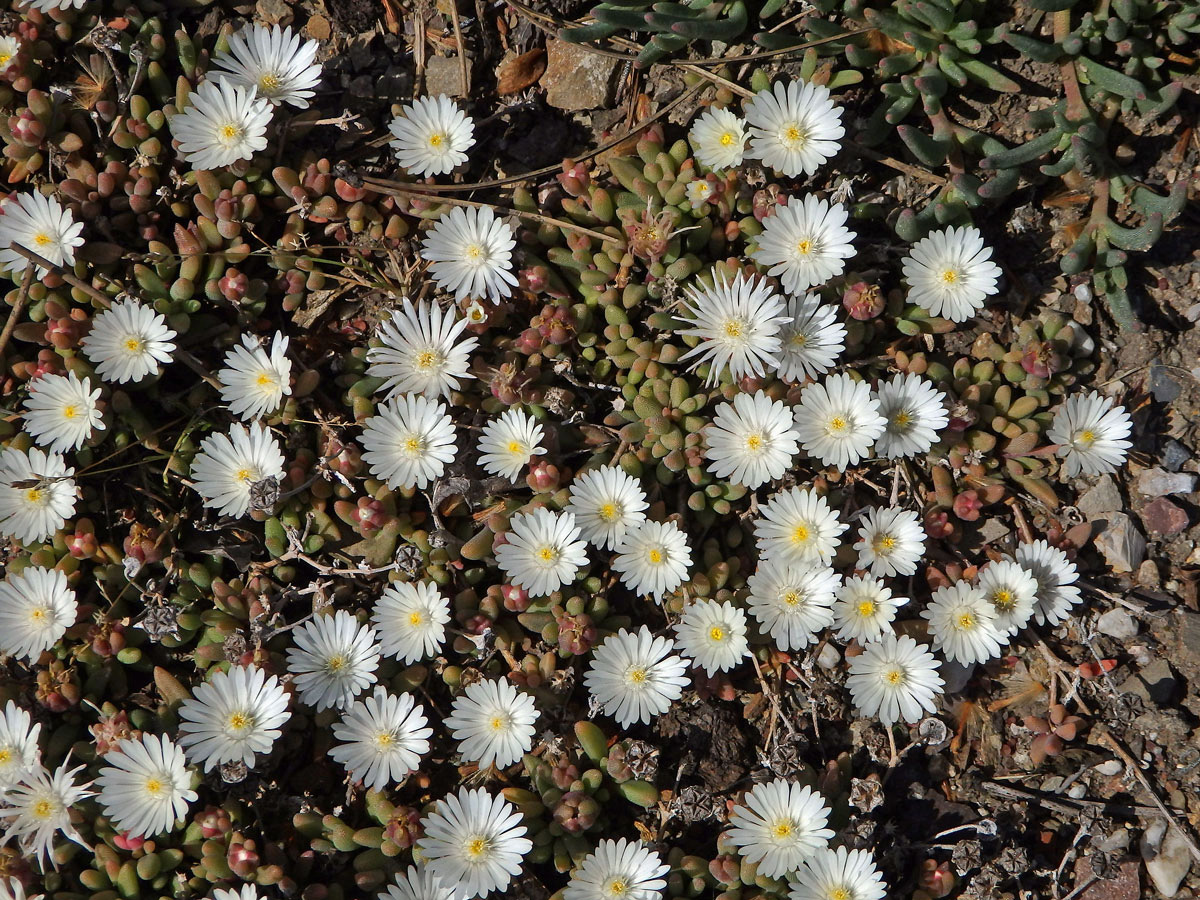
point(364, 539)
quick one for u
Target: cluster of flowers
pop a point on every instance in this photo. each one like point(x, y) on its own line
point(473, 842)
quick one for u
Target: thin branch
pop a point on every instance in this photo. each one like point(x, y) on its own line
point(65, 274)
point(17, 308)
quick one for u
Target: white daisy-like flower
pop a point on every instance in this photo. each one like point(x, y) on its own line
point(41, 224)
point(222, 124)
point(408, 441)
point(411, 620)
point(11, 887)
point(1012, 591)
point(718, 138)
point(811, 341)
point(19, 754)
point(493, 723)
point(738, 325)
point(10, 46)
point(779, 825)
point(751, 440)
point(606, 503)
point(699, 192)
point(254, 380)
point(233, 716)
point(618, 870)
point(36, 609)
point(508, 441)
point(48, 5)
point(420, 351)
point(797, 527)
point(963, 624)
point(334, 659)
point(839, 874)
point(128, 342)
point(431, 136)
point(61, 412)
point(39, 807)
point(37, 493)
point(229, 465)
point(634, 676)
point(247, 892)
point(274, 60)
point(838, 421)
point(419, 884)
point(915, 411)
point(712, 635)
point(950, 273)
point(1055, 575)
point(542, 551)
point(794, 128)
point(1091, 434)
point(383, 738)
point(653, 559)
point(145, 788)
point(474, 841)
point(864, 609)
point(792, 602)
point(469, 252)
point(805, 244)
point(894, 679)
point(890, 541)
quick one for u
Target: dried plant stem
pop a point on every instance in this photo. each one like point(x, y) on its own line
point(17, 308)
point(463, 68)
point(65, 274)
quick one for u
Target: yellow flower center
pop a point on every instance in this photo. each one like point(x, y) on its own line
point(609, 511)
point(229, 133)
point(154, 786)
point(837, 425)
point(243, 475)
point(133, 344)
point(437, 139)
point(754, 442)
point(716, 633)
point(42, 239)
point(239, 721)
point(498, 723)
point(70, 411)
point(782, 829)
point(792, 598)
point(637, 676)
point(794, 137)
point(617, 888)
point(655, 555)
point(4, 58)
point(43, 809)
point(965, 621)
point(1003, 599)
point(901, 419)
point(477, 846)
point(5, 756)
point(384, 739)
point(805, 246)
point(415, 618)
point(840, 893)
point(33, 495)
point(547, 554)
point(884, 543)
point(412, 445)
point(800, 534)
point(37, 615)
point(734, 329)
point(727, 139)
point(427, 359)
point(264, 380)
point(894, 676)
point(1086, 437)
point(514, 447)
point(336, 663)
point(268, 83)
point(867, 608)
point(799, 339)
point(950, 276)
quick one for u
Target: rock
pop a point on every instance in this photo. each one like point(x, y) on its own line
point(1109, 767)
point(1121, 543)
point(317, 28)
point(1174, 455)
point(443, 75)
point(577, 78)
point(1147, 574)
point(1155, 683)
point(1189, 633)
point(992, 530)
point(515, 73)
point(828, 658)
point(1170, 865)
point(1159, 483)
point(956, 676)
point(1103, 497)
point(1117, 624)
point(1164, 388)
point(1161, 516)
point(273, 12)
point(1124, 882)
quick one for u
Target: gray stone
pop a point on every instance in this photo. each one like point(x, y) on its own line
point(1121, 544)
point(1154, 684)
point(1174, 455)
point(1160, 483)
point(1103, 497)
point(273, 12)
point(1189, 633)
point(1117, 624)
point(828, 658)
point(1147, 574)
point(1164, 388)
point(576, 78)
point(443, 75)
point(956, 676)
point(1170, 864)
point(992, 530)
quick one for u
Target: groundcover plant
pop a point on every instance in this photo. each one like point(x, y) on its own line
point(391, 507)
